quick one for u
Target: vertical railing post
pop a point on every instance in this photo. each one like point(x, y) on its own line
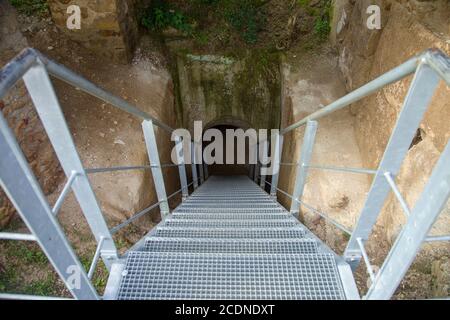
point(47, 106)
point(19, 183)
point(256, 172)
point(277, 154)
point(302, 167)
point(200, 162)
point(416, 102)
point(194, 166)
point(181, 167)
point(264, 156)
point(158, 180)
point(250, 171)
point(427, 209)
point(205, 168)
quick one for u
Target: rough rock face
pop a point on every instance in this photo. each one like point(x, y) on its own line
point(22, 118)
point(214, 89)
point(408, 28)
point(108, 28)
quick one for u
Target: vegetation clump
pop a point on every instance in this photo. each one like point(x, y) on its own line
point(31, 7)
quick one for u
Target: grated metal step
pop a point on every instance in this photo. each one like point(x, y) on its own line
point(250, 246)
point(229, 200)
point(230, 216)
point(230, 210)
point(223, 224)
point(229, 276)
point(230, 233)
point(230, 240)
point(230, 204)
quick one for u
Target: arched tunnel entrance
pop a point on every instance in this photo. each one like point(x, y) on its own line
point(240, 156)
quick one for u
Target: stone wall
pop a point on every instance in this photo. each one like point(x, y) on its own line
point(409, 28)
point(108, 27)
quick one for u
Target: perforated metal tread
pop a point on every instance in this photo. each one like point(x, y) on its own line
point(230, 210)
point(230, 240)
point(230, 233)
point(231, 216)
point(250, 246)
point(223, 224)
point(230, 204)
point(229, 200)
point(229, 276)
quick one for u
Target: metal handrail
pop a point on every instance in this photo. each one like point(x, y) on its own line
point(64, 192)
point(429, 68)
point(17, 236)
point(17, 67)
point(433, 57)
point(125, 168)
point(34, 69)
point(320, 213)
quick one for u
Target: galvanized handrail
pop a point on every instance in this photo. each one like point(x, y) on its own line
point(34, 68)
point(34, 209)
point(428, 68)
point(437, 60)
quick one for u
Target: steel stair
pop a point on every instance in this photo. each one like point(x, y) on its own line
point(230, 240)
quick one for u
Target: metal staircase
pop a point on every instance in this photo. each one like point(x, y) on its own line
point(248, 248)
point(229, 238)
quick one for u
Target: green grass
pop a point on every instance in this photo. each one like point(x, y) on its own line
point(21, 258)
point(322, 25)
point(44, 287)
point(244, 16)
point(31, 7)
point(27, 252)
point(100, 275)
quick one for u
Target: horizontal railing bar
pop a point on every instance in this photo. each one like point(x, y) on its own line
point(66, 75)
point(351, 170)
point(143, 212)
point(17, 236)
point(437, 239)
point(94, 262)
point(174, 194)
point(366, 259)
point(390, 77)
point(114, 169)
point(64, 193)
point(133, 218)
point(326, 217)
point(397, 193)
point(14, 70)
point(12, 296)
point(323, 215)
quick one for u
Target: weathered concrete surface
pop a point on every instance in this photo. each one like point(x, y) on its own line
point(219, 90)
point(108, 28)
point(309, 87)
